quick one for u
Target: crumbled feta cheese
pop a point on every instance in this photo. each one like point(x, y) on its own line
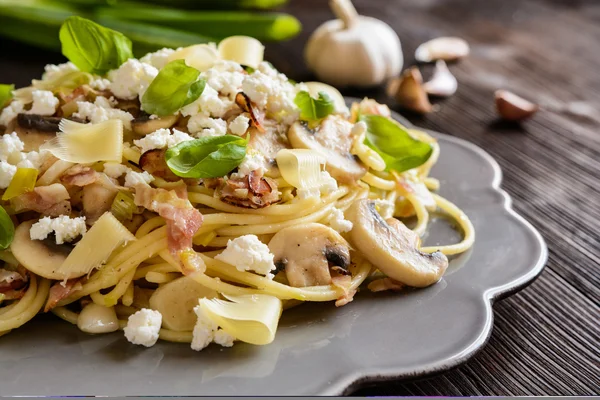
point(337, 221)
point(143, 327)
point(65, 228)
point(101, 110)
point(225, 77)
point(7, 172)
point(158, 59)
point(52, 71)
point(11, 147)
point(44, 103)
point(253, 161)
point(115, 170)
point(247, 253)
point(100, 84)
point(206, 331)
point(160, 139)
point(134, 178)
point(209, 103)
point(131, 79)
point(275, 94)
point(10, 112)
point(239, 125)
point(32, 159)
point(200, 125)
point(385, 208)
point(223, 338)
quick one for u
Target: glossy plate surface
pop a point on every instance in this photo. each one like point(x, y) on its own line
point(318, 349)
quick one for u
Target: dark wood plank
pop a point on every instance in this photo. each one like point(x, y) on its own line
point(546, 338)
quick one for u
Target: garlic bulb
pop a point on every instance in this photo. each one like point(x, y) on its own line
point(353, 50)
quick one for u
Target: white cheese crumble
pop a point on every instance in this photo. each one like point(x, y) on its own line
point(158, 59)
point(143, 327)
point(385, 208)
point(247, 253)
point(275, 94)
point(337, 221)
point(11, 147)
point(65, 229)
point(200, 125)
point(44, 103)
point(52, 71)
point(134, 178)
point(206, 331)
point(102, 110)
point(7, 172)
point(239, 125)
point(160, 139)
point(32, 159)
point(131, 79)
point(225, 77)
point(209, 103)
point(100, 84)
point(253, 161)
point(115, 170)
point(10, 112)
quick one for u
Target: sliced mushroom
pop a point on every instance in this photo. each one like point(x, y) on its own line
point(332, 140)
point(308, 251)
point(98, 197)
point(392, 247)
point(42, 257)
point(144, 125)
point(33, 130)
point(176, 301)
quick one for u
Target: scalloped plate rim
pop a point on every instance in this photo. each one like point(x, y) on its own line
point(352, 382)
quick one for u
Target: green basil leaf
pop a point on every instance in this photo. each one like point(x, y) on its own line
point(395, 145)
point(207, 157)
point(175, 86)
point(313, 109)
point(7, 229)
point(5, 94)
point(92, 47)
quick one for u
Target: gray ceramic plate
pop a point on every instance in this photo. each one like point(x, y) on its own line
point(319, 349)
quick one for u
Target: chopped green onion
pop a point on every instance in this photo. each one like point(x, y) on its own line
point(22, 182)
point(123, 206)
point(5, 94)
point(7, 229)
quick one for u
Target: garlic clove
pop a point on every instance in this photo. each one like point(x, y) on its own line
point(411, 94)
point(512, 107)
point(442, 83)
point(442, 48)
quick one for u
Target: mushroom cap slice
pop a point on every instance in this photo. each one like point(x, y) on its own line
point(176, 301)
point(307, 251)
point(145, 125)
point(332, 140)
point(392, 247)
point(42, 257)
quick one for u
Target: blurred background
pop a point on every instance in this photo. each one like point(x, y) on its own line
point(543, 50)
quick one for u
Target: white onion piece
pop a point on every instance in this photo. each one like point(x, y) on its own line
point(251, 318)
point(243, 50)
point(315, 87)
point(199, 56)
point(301, 168)
point(97, 319)
point(95, 247)
point(87, 143)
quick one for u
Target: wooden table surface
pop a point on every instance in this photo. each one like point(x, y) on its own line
point(546, 339)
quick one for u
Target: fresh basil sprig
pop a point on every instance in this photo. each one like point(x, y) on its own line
point(92, 47)
point(207, 157)
point(175, 86)
point(312, 109)
point(7, 229)
point(395, 145)
point(5, 94)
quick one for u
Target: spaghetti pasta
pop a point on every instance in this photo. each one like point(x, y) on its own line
point(237, 235)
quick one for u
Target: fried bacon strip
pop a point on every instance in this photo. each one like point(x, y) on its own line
point(51, 200)
point(62, 290)
point(183, 220)
point(243, 102)
point(251, 191)
point(79, 175)
point(13, 284)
